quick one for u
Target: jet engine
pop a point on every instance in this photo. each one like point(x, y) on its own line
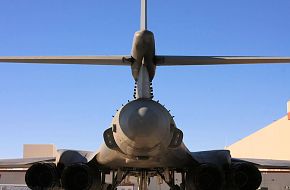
point(206, 177)
point(246, 176)
point(78, 177)
point(42, 176)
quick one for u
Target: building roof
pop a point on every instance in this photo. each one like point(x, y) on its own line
point(271, 142)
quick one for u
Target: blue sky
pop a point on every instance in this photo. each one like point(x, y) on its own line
point(71, 106)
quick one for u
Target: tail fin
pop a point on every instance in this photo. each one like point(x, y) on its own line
point(143, 15)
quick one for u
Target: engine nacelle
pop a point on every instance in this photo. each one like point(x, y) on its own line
point(206, 177)
point(246, 176)
point(79, 177)
point(42, 176)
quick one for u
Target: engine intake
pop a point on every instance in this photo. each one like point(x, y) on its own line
point(42, 176)
point(77, 177)
point(246, 176)
point(207, 177)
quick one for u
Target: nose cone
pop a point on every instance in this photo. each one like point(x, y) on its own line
point(144, 122)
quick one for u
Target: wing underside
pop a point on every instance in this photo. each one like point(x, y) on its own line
point(24, 162)
point(265, 163)
point(223, 156)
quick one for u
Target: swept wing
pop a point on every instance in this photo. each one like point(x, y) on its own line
point(24, 162)
point(266, 163)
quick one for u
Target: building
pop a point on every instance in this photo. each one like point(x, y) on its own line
point(271, 142)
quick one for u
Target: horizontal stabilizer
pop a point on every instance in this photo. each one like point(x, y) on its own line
point(86, 60)
point(216, 60)
point(24, 162)
point(159, 60)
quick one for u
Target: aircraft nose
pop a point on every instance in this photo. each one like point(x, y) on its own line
point(144, 124)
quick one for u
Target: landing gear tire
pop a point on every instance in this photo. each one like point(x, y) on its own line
point(182, 186)
point(107, 187)
point(110, 187)
point(175, 187)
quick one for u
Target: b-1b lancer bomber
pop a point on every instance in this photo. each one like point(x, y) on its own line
point(143, 139)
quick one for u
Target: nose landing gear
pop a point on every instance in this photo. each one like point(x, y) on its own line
point(169, 177)
point(143, 181)
point(143, 177)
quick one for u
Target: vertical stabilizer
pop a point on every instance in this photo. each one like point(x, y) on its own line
point(143, 15)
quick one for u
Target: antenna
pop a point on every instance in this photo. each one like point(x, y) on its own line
point(143, 15)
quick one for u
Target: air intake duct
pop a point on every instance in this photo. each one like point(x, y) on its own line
point(246, 176)
point(77, 177)
point(42, 176)
point(207, 177)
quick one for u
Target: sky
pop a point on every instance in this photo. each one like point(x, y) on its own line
point(71, 105)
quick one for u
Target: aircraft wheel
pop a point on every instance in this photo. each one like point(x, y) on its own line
point(182, 186)
point(109, 187)
point(175, 187)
